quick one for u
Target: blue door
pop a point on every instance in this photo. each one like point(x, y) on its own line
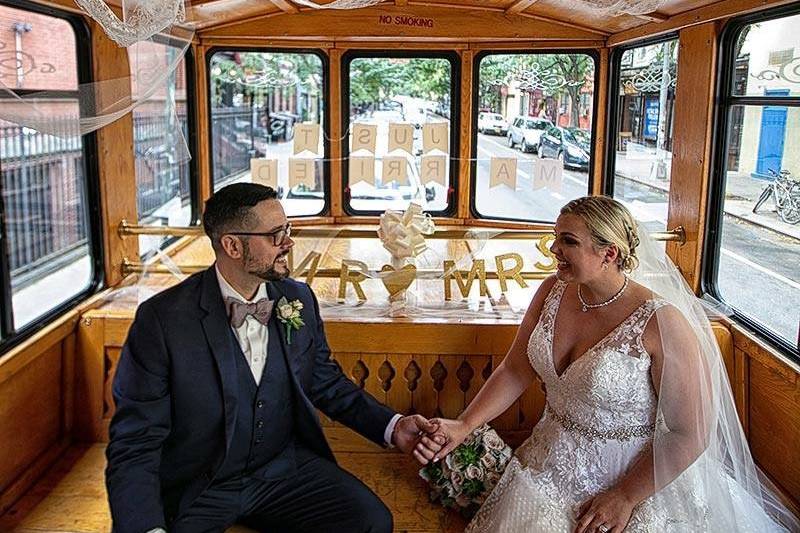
point(773, 131)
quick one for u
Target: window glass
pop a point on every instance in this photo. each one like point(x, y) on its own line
point(42, 173)
point(767, 57)
point(759, 247)
point(267, 111)
point(160, 144)
point(399, 148)
point(642, 154)
point(524, 170)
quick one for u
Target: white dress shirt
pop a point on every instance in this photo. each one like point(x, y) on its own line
point(253, 336)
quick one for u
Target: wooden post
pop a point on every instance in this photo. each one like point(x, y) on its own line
point(202, 112)
point(465, 152)
point(691, 149)
point(601, 122)
point(336, 131)
point(115, 159)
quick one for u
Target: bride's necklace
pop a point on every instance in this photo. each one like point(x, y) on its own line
point(586, 306)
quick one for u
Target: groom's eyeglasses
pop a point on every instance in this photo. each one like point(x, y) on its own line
point(279, 235)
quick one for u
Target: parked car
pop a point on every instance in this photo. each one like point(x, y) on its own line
point(569, 145)
point(492, 123)
point(525, 132)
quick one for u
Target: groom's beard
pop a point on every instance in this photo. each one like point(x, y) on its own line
point(269, 272)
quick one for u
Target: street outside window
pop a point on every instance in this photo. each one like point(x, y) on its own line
point(533, 142)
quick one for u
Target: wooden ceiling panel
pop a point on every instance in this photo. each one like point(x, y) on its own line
point(568, 13)
point(556, 9)
point(387, 22)
point(214, 12)
point(673, 7)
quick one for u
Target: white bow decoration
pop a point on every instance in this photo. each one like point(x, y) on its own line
point(143, 18)
point(402, 234)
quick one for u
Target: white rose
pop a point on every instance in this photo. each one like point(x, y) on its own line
point(492, 441)
point(298, 305)
point(286, 311)
point(489, 461)
point(473, 472)
point(452, 462)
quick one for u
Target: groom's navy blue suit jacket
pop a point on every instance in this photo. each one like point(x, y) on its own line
point(176, 403)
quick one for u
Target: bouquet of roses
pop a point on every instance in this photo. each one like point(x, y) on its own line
point(465, 478)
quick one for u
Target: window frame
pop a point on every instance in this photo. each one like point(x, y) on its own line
point(612, 107)
point(473, 164)
point(724, 101)
point(325, 129)
point(10, 336)
point(455, 111)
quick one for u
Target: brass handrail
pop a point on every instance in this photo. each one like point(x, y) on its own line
point(135, 267)
point(678, 234)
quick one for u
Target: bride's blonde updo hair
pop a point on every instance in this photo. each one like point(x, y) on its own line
point(609, 222)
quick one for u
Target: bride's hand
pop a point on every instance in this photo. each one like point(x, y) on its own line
point(454, 431)
point(607, 512)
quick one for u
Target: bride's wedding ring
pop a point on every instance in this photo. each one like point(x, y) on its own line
point(602, 529)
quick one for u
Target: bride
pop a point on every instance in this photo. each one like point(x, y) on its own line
point(640, 432)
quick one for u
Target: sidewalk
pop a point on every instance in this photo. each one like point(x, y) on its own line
point(741, 193)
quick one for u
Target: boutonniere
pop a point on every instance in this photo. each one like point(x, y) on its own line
point(289, 314)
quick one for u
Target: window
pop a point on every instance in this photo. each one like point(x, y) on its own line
point(527, 169)
point(640, 158)
point(49, 255)
point(401, 142)
point(268, 124)
point(755, 251)
point(161, 142)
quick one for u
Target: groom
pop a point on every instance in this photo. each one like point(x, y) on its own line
point(216, 394)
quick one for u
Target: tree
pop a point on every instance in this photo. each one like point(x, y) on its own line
point(574, 68)
point(373, 79)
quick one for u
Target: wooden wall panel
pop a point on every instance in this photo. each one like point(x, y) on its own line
point(775, 421)
point(772, 410)
point(30, 414)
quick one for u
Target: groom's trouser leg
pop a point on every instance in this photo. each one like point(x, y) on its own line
point(320, 497)
point(216, 509)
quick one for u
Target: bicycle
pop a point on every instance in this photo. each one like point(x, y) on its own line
point(785, 188)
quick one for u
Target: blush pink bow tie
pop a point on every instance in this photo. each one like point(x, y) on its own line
point(238, 310)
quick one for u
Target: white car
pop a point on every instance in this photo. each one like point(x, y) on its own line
point(492, 123)
point(525, 132)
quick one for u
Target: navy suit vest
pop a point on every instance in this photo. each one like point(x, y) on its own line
point(262, 443)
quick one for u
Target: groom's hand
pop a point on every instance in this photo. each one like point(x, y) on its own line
point(416, 429)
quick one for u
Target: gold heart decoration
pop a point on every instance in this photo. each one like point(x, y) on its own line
point(395, 280)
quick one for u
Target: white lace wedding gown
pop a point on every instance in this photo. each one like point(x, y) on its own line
point(600, 415)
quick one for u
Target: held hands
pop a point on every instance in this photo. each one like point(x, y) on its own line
point(607, 512)
point(418, 436)
point(449, 434)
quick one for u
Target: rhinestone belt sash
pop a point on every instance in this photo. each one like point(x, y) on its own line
point(622, 433)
